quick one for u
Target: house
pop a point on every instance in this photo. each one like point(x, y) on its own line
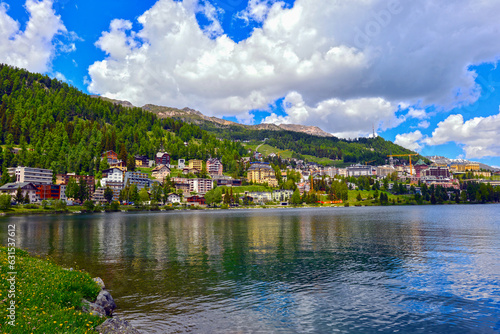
point(281, 195)
point(214, 167)
point(384, 171)
point(199, 200)
point(119, 164)
point(110, 156)
point(419, 167)
point(140, 179)
point(261, 172)
point(89, 179)
point(200, 186)
point(48, 191)
point(162, 158)
point(26, 188)
point(196, 164)
point(435, 172)
point(160, 172)
point(227, 181)
point(259, 196)
point(174, 198)
point(98, 195)
point(31, 175)
point(181, 164)
point(116, 187)
point(141, 161)
point(187, 171)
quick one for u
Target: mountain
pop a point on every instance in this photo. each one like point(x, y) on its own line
point(444, 160)
point(196, 117)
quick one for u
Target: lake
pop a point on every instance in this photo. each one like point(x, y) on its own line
point(408, 269)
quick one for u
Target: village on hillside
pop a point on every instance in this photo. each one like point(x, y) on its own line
point(162, 181)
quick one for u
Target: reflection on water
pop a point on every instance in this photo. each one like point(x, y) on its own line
point(409, 269)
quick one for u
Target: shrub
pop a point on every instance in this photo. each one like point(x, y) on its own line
point(88, 205)
point(60, 205)
point(5, 202)
point(115, 206)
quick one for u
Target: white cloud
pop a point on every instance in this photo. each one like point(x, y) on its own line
point(410, 140)
point(345, 119)
point(424, 124)
point(60, 76)
point(256, 10)
point(479, 136)
point(417, 113)
point(32, 48)
point(334, 55)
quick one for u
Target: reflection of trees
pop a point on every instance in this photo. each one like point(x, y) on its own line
point(186, 255)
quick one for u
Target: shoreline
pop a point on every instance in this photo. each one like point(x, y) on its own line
point(12, 213)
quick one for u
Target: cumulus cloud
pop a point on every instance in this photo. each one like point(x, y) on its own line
point(372, 55)
point(345, 119)
point(256, 11)
point(34, 47)
point(479, 136)
point(410, 140)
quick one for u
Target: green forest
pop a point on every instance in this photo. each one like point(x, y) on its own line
point(58, 127)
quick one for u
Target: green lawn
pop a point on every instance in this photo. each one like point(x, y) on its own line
point(47, 297)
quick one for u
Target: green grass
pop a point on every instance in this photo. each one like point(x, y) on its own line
point(241, 190)
point(323, 161)
point(48, 297)
point(145, 170)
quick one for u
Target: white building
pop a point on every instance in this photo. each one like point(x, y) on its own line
point(181, 164)
point(33, 175)
point(200, 186)
point(360, 170)
point(174, 198)
point(112, 175)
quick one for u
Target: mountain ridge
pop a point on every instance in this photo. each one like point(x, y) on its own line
point(196, 117)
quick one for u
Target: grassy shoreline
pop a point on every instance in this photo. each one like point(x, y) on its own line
point(351, 203)
point(47, 297)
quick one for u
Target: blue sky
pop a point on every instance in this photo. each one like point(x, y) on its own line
point(423, 74)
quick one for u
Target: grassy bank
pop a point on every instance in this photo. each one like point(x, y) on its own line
point(47, 297)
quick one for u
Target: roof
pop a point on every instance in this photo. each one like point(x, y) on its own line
point(14, 186)
point(159, 167)
point(420, 162)
point(161, 154)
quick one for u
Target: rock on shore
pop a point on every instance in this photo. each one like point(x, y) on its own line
point(104, 305)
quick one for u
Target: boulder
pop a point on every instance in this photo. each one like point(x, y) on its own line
point(93, 308)
point(105, 300)
point(116, 326)
point(99, 282)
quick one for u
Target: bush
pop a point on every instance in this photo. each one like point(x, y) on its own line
point(88, 205)
point(30, 206)
point(115, 206)
point(60, 205)
point(5, 202)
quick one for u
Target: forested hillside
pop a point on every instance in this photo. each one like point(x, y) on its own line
point(58, 127)
point(356, 150)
